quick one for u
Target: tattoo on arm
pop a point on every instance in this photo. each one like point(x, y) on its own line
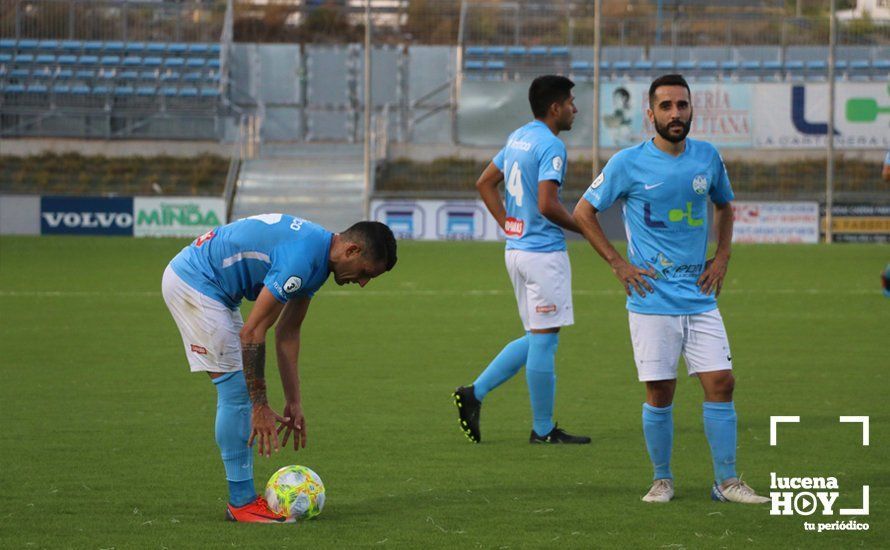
point(254, 359)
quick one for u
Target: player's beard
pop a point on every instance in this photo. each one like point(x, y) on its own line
point(664, 131)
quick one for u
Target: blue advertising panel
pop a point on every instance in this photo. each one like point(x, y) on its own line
point(86, 216)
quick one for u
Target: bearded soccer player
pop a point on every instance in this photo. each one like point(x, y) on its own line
point(665, 184)
point(534, 161)
point(280, 262)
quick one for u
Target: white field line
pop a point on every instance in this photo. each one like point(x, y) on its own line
point(416, 292)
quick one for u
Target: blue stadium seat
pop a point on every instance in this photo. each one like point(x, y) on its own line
point(213, 77)
point(729, 65)
point(881, 64)
point(856, 65)
point(643, 65)
point(15, 88)
point(582, 65)
point(61, 89)
point(209, 92)
point(772, 65)
point(816, 65)
point(80, 89)
point(28, 44)
point(48, 44)
point(516, 50)
point(110, 60)
point(37, 88)
point(93, 46)
point(5, 57)
point(213, 63)
point(7, 43)
point(132, 61)
point(63, 74)
point(156, 47)
point(495, 65)
point(114, 47)
point(194, 62)
point(474, 65)
point(100, 90)
point(169, 91)
point(707, 66)
point(752, 65)
point(475, 51)
point(174, 62)
point(496, 51)
point(194, 76)
point(45, 72)
point(559, 51)
point(621, 66)
point(67, 59)
point(146, 91)
point(169, 76)
point(794, 65)
point(664, 65)
point(72, 45)
point(537, 51)
point(686, 65)
point(177, 48)
point(841, 64)
point(152, 61)
point(24, 58)
point(107, 74)
point(86, 74)
point(198, 48)
point(88, 60)
point(19, 73)
point(134, 47)
point(214, 49)
point(128, 75)
point(148, 75)
point(123, 90)
point(188, 91)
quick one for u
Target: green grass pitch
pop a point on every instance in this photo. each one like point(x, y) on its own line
point(107, 439)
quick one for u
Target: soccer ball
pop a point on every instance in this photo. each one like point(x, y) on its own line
point(295, 491)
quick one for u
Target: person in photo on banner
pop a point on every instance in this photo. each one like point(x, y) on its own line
point(533, 218)
point(279, 262)
point(885, 171)
point(665, 184)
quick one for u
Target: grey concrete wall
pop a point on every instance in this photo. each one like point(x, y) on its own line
point(19, 215)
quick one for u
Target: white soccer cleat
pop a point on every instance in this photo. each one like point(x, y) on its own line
point(736, 490)
point(662, 490)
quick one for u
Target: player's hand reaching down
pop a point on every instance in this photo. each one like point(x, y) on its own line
point(712, 278)
point(631, 276)
point(296, 426)
point(263, 430)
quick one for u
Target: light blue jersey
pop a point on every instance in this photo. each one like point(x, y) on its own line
point(666, 218)
point(287, 255)
point(532, 154)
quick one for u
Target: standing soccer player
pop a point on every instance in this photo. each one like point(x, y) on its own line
point(665, 184)
point(534, 161)
point(280, 262)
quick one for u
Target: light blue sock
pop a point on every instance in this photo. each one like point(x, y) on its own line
point(658, 429)
point(232, 431)
point(720, 429)
point(539, 374)
point(502, 368)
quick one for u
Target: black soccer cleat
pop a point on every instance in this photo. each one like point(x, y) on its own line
point(468, 409)
point(558, 435)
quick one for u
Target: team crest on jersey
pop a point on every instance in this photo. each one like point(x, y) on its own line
point(557, 163)
point(700, 184)
point(293, 284)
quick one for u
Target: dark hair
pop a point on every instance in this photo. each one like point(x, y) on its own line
point(547, 90)
point(377, 241)
point(667, 80)
point(622, 92)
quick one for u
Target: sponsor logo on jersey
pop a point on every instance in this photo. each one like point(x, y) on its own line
point(200, 350)
point(293, 284)
point(598, 181)
point(514, 227)
point(700, 184)
point(519, 144)
point(204, 238)
point(546, 309)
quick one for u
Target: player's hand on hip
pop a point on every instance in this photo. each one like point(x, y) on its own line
point(263, 430)
point(711, 280)
point(295, 426)
point(632, 277)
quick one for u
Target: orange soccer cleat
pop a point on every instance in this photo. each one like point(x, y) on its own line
point(255, 512)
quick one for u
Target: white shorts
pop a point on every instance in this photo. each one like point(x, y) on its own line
point(658, 341)
point(209, 329)
point(542, 282)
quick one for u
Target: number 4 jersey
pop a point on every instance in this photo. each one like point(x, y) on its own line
point(532, 154)
point(287, 255)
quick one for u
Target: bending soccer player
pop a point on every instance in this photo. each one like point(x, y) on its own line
point(534, 160)
point(665, 184)
point(280, 262)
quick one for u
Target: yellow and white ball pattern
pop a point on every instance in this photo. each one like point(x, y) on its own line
point(295, 491)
